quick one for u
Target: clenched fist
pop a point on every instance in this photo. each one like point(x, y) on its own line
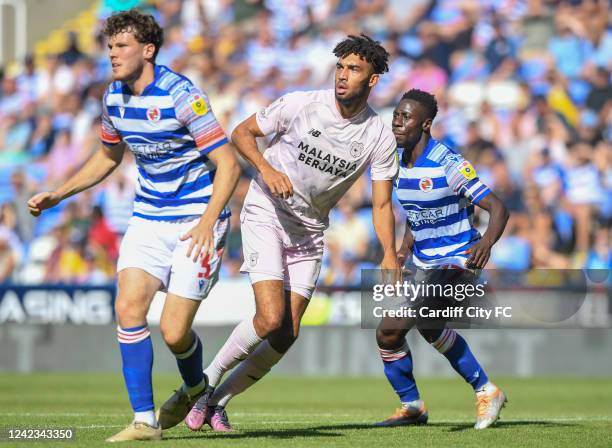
point(42, 201)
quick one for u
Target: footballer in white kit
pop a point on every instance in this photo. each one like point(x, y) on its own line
point(322, 142)
point(322, 154)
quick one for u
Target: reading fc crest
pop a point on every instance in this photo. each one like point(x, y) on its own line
point(153, 113)
point(426, 184)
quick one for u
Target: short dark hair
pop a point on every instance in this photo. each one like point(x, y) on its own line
point(144, 27)
point(425, 99)
point(366, 47)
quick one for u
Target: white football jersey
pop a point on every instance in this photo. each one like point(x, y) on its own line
point(322, 153)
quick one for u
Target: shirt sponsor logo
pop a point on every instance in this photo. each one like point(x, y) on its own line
point(144, 148)
point(425, 216)
point(426, 184)
point(325, 162)
point(153, 113)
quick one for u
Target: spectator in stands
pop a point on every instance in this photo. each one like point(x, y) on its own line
point(43, 136)
point(72, 54)
point(117, 201)
point(101, 237)
point(22, 191)
point(348, 230)
point(584, 192)
point(500, 51)
point(600, 253)
point(11, 252)
point(261, 52)
point(600, 94)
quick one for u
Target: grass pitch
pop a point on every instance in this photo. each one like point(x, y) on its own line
point(338, 412)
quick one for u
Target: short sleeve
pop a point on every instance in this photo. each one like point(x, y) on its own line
point(277, 117)
point(194, 112)
point(462, 178)
point(108, 133)
point(385, 160)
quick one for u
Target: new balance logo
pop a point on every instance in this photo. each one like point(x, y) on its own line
point(314, 132)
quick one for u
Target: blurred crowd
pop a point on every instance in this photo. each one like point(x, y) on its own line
point(523, 88)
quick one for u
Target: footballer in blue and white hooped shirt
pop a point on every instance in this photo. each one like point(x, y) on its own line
point(170, 129)
point(176, 236)
point(438, 189)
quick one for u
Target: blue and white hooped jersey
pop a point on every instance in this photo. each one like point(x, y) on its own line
point(438, 194)
point(170, 128)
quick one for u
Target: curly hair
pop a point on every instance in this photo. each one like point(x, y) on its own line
point(425, 99)
point(366, 47)
point(143, 26)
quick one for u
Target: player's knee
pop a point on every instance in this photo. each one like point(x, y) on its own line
point(389, 338)
point(281, 340)
point(430, 334)
point(265, 324)
point(175, 338)
point(129, 311)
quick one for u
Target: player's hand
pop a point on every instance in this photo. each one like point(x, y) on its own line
point(278, 183)
point(391, 268)
point(480, 253)
point(202, 240)
point(402, 254)
point(43, 201)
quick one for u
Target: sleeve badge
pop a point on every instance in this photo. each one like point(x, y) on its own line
point(467, 170)
point(198, 105)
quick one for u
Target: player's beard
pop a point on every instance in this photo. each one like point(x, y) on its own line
point(131, 73)
point(361, 94)
point(409, 143)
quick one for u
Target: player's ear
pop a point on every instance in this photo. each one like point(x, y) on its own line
point(149, 51)
point(374, 77)
point(427, 125)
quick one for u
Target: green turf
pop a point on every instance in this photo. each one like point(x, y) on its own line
point(283, 411)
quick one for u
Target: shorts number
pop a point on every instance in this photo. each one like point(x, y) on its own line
point(206, 265)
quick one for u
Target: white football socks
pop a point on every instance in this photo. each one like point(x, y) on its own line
point(257, 365)
point(414, 404)
point(241, 343)
point(147, 417)
point(193, 391)
point(487, 388)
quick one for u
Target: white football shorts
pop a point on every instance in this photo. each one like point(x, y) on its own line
point(156, 247)
point(271, 253)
